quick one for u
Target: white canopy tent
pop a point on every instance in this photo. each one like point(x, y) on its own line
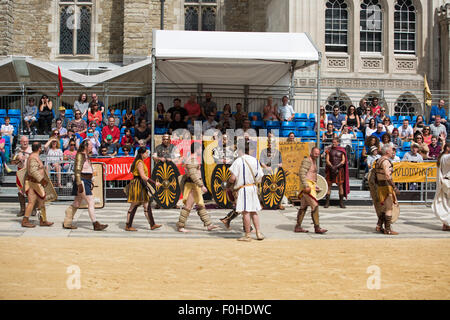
point(244, 58)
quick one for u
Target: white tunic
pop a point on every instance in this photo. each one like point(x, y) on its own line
point(441, 203)
point(247, 199)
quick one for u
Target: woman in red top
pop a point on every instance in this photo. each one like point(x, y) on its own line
point(323, 119)
point(127, 139)
point(94, 114)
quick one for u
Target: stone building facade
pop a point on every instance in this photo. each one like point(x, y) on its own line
point(119, 32)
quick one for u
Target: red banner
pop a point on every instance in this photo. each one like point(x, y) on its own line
point(119, 168)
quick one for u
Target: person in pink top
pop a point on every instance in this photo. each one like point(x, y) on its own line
point(112, 130)
point(192, 107)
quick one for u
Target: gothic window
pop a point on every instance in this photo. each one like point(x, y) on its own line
point(406, 106)
point(200, 15)
point(75, 27)
point(336, 26)
point(404, 27)
point(371, 26)
point(341, 100)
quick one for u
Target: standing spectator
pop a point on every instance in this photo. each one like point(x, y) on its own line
point(94, 140)
point(379, 132)
point(270, 111)
point(62, 116)
point(78, 125)
point(362, 107)
point(208, 106)
point(423, 147)
point(210, 123)
point(29, 116)
point(396, 139)
point(405, 131)
point(435, 149)
point(413, 155)
point(143, 133)
point(426, 134)
point(352, 119)
point(192, 107)
point(336, 118)
point(323, 119)
point(438, 110)
point(438, 129)
point(375, 108)
point(385, 139)
point(7, 129)
point(142, 113)
point(371, 128)
point(110, 146)
point(82, 105)
point(178, 108)
point(54, 158)
point(160, 120)
point(127, 139)
point(382, 116)
point(3, 154)
point(420, 124)
point(111, 130)
point(100, 104)
point(45, 115)
point(62, 131)
point(286, 112)
point(365, 118)
point(69, 155)
point(128, 119)
point(388, 126)
point(240, 115)
point(226, 122)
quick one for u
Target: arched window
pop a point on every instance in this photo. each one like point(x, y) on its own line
point(336, 26)
point(404, 27)
point(200, 15)
point(407, 105)
point(371, 26)
point(338, 99)
point(75, 27)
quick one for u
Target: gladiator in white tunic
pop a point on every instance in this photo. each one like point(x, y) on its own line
point(441, 203)
point(248, 173)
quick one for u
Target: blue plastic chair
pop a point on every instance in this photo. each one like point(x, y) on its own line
point(406, 146)
point(257, 124)
point(160, 130)
point(359, 135)
point(288, 125)
point(14, 113)
point(273, 124)
point(2, 113)
point(257, 114)
point(302, 125)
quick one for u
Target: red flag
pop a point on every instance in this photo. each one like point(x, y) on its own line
point(61, 88)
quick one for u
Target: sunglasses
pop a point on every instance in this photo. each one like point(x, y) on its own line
point(383, 110)
point(72, 145)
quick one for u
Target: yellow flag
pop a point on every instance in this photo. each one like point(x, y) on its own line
point(428, 98)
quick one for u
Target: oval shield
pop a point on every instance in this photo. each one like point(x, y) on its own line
point(272, 189)
point(219, 186)
point(168, 193)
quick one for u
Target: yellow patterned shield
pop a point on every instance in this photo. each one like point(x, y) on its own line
point(168, 193)
point(219, 186)
point(272, 189)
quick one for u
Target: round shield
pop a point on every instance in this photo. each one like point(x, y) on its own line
point(219, 186)
point(272, 189)
point(168, 193)
point(323, 186)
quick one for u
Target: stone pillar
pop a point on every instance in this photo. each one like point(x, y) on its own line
point(6, 27)
point(444, 22)
point(236, 16)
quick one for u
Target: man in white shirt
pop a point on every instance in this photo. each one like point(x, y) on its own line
point(286, 111)
point(246, 172)
point(413, 155)
point(210, 123)
point(405, 132)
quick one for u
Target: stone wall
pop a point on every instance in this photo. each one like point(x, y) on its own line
point(110, 30)
point(236, 15)
point(6, 26)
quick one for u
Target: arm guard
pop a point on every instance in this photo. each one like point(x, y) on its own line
point(79, 162)
point(191, 171)
point(304, 168)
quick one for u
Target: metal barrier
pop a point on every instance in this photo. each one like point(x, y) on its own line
point(425, 189)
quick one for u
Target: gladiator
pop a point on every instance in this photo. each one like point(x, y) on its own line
point(336, 171)
point(308, 192)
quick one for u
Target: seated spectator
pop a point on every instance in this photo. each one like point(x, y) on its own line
point(437, 129)
point(142, 113)
point(142, 144)
point(352, 119)
point(329, 135)
point(7, 129)
point(385, 139)
point(345, 139)
point(291, 137)
point(62, 116)
point(226, 122)
point(323, 120)
point(70, 136)
point(226, 108)
point(435, 149)
point(103, 152)
point(112, 113)
point(208, 106)
point(69, 155)
point(192, 107)
point(59, 127)
point(96, 129)
point(100, 104)
point(111, 130)
point(29, 116)
point(375, 108)
point(395, 157)
point(95, 115)
point(142, 132)
point(128, 119)
point(426, 134)
point(54, 158)
point(178, 108)
point(81, 105)
point(396, 139)
point(94, 140)
point(423, 147)
point(370, 142)
point(405, 132)
point(191, 125)
point(177, 123)
point(286, 111)
point(413, 155)
point(336, 118)
point(438, 110)
point(246, 125)
point(239, 116)
point(388, 126)
point(127, 139)
point(3, 154)
point(365, 118)
point(361, 108)
point(126, 151)
point(210, 123)
point(380, 118)
point(372, 157)
point(78, 125)
point(161, 118)
point(420, 124)
point(110, 146)
point(270, 111)
point(379, 132)
point(371, 128)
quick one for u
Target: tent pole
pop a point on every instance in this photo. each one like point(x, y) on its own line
point(292, 89)
point(319, 62)
point(153, 105)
